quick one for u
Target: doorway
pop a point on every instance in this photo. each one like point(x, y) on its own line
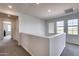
point(7, 30)
point(9, 27)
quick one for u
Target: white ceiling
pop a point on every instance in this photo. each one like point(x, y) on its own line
point(41, 10)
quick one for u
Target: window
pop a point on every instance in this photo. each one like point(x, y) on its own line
point(9, 27)
point(73, 27)
point(60, 26)
point(51, 27)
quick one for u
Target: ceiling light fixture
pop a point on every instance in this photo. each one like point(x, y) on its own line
point(10, 6)
point(49, 10)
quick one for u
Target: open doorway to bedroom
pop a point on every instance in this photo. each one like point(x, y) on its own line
point(7, 29)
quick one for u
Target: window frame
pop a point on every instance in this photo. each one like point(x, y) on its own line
point(59, 26)
point(72, 27)
point(9, 27)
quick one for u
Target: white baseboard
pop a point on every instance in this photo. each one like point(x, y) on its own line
point(72, 43)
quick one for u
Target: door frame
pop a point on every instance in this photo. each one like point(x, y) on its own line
point(15, 25)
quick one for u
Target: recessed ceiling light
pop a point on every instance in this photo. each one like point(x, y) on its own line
point(49, 10)
point(10, 6)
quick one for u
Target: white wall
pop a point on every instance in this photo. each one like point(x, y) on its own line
point(29, 24)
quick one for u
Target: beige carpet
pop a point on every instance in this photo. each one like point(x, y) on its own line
point(11, 48)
